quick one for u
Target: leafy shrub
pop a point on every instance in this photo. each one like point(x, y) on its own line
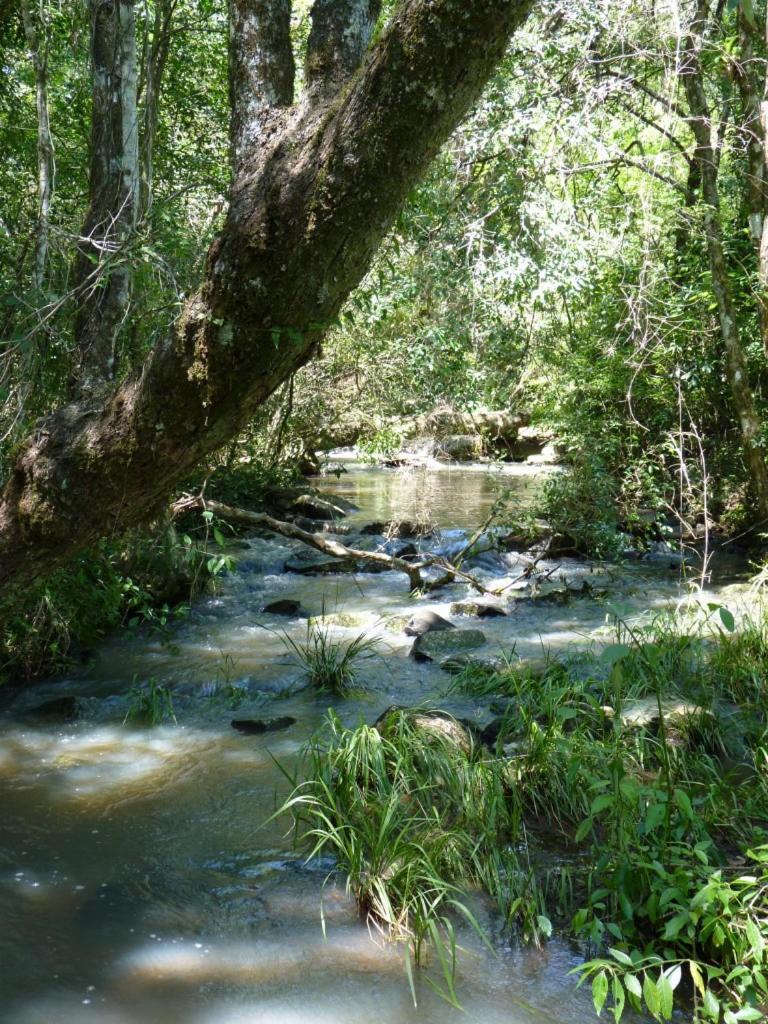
point(580, 505)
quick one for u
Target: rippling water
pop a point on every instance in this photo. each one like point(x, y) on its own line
point(140, 879)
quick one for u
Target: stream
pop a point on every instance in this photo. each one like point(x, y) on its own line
point(141, 881)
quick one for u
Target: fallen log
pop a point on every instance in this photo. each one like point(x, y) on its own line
point(329, 547)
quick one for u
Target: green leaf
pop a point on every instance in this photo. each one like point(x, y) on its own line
point(617, 990)
point(600, 803)
point(651, 995)
point(696, 977)
point(621, 956)
point(632, 983)
point(599, 991)
point(727, 619)
point(666, 997)
point(711, 1005)
point(583, 830)
point(675, 925)
point(683, 803)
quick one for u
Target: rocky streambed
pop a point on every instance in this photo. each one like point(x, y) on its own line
point(141, 876)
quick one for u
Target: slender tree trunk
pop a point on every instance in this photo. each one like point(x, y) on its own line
point(318, 186)
point(735, 361)
point(102, 268)
point(149, 91)
point(34, 25)
point(752, 88)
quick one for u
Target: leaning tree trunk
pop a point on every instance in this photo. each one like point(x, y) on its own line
point(318, 185)
point(102, 267)
point(735, 360)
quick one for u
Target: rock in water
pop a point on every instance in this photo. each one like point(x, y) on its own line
point(479, 609)
point(283, 607)
point(58, 709)
point(256, 726)
point(434, 646)
point(426, 621)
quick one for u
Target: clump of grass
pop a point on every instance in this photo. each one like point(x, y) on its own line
point(151, 704)
point(666, 815)
point(330, 664)
point(414, 820)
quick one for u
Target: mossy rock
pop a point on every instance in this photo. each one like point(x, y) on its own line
point(347, 620)
point(477, 609)
point(436, 645)
point(454, 664)
point(396, 623)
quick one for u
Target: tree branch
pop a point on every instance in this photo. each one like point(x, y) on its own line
point(340, 34)
point(325, 544)
point(261, 73)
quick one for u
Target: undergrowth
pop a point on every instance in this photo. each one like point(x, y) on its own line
point(651, 767)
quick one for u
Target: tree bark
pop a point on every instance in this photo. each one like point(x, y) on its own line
point(310, 205)
point(102, 268)
point(341, 31)
point(736, 369)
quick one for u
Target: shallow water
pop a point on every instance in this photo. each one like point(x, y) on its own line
point(140, 878)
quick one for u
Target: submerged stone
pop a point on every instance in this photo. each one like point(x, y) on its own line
point(309, 563)
point(257, 726)
point(283, 607)
point(347, 620)
point(58, 709)
point(477, 609)
point(454, 664)
point(432, 646)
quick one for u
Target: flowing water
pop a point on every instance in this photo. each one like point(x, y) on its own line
point(141, 881)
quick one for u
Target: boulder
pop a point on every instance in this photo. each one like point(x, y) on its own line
point(434, 724)
point(435, 645)
point(641, 713)
point(461, 447)
point(426, 621)
point(550, 455)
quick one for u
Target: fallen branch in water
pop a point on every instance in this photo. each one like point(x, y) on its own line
point(329, 547)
